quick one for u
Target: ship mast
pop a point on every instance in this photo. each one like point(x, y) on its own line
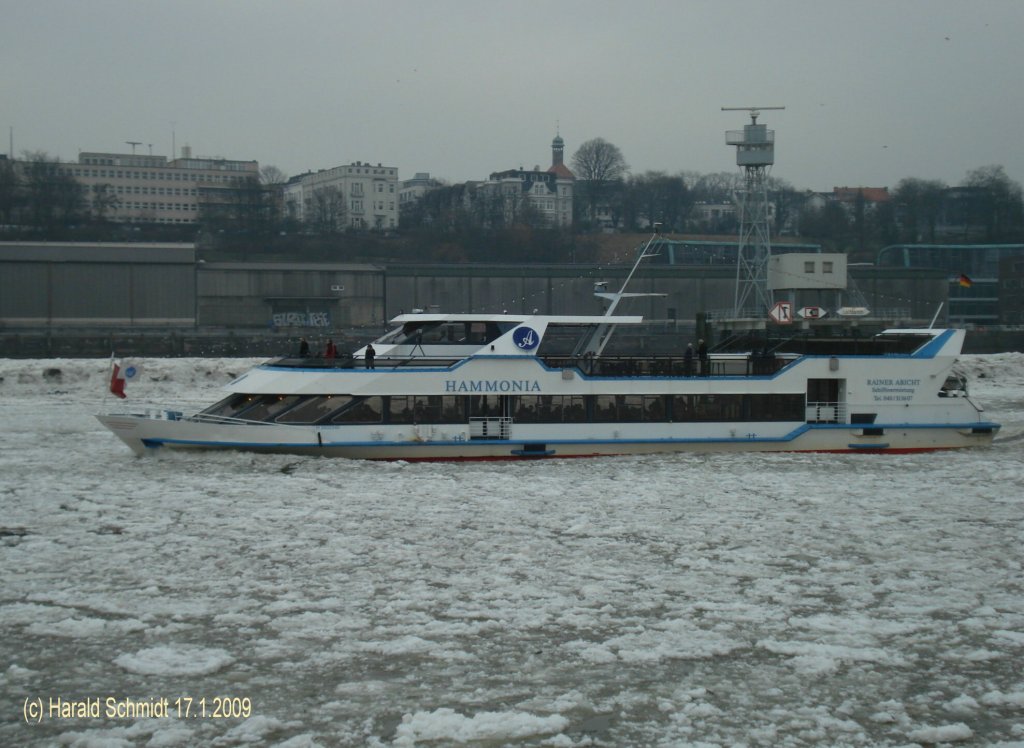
point(603, 333)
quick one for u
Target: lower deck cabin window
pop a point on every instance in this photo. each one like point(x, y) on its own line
point(485, 406)
point(230, 406)
point(776, 407)
point(315, 409)
point(269, 406)
point(361, 410)
point(781, 407)
point(253, 407)
point(426, 409)
point(635, 408)
point(436, 409)
point(549, 409)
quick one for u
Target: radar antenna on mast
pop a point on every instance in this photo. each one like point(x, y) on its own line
point(755, 152)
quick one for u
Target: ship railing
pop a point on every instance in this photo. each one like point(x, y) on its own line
point(895, 314)
point(226, 420)
point(157, 414)
point(380, 362)
point(731, 313)
point(826, 412)
point(890, 313)
point(396, 363)
point(314, 362)
point(489, 428)
point(718, 365)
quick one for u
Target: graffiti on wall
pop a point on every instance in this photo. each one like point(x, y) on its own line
point(301, 319)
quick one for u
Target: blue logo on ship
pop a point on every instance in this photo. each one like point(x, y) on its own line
point(525, 338)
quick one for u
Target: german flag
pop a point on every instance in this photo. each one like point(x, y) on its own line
point(964, 281)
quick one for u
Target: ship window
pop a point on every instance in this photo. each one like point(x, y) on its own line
point(630, 408)
point(392, 337)
point(776, 407)
point(485, 406)
point(400, 409)
point(361, 410)
point(611, 408)
point(655, 408)
point(707, 408)
point(315, 409)
point(425, 409)
point(535, 409)
point(269, 406)
point(230, 406)
point(574, 409)
point(550, 409)
point(452, 409)
point(433, 334)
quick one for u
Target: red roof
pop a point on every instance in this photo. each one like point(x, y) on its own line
point(871, 194)
point(562, 171)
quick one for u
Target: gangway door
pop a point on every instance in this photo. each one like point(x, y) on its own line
point(489, 428)
point(825, 401)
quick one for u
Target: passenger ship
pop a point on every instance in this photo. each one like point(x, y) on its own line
point(526, 386)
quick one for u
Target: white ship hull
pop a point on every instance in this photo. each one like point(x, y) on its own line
point(145, 433)
point(511, 404)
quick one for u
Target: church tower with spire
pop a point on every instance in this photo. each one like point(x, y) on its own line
point(549, 192)
point(558, 167)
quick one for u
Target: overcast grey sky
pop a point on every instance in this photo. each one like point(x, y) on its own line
point(874, 90)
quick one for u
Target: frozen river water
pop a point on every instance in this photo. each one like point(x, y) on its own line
point(673, 600)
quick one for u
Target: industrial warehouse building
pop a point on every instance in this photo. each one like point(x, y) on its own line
point(54, 294)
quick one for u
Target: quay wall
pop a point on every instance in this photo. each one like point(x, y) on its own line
point(75, 299)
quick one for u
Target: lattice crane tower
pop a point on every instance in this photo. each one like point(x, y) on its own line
point(755, 152)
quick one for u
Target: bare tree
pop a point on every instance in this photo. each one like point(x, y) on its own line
point(920, 201)
point(787, 203)
point(104, 199)
point(659, 198)
point(598, 165)
point(10, 187)
point(54, 197)
point(715, 188)
point(328, 210)
point(829, 222)
point(1001, 207)
point(272, 181)
point(442, 209)
point(270, 175)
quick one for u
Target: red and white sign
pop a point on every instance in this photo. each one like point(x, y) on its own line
point(782, 312)
point(811, 312)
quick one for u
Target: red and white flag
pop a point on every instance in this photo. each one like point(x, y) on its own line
point(117, 382)
point(120, 373)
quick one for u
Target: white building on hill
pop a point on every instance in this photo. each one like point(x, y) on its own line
point(358, 195)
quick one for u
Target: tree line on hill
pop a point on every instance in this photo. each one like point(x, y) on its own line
point(42, 202)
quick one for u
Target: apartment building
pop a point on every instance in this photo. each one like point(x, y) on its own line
point(548, 192)
point(415, 188)
point(357, 195)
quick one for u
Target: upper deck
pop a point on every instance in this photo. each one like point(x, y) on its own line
point(443, 341)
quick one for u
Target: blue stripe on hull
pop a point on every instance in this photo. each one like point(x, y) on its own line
point(515, 443)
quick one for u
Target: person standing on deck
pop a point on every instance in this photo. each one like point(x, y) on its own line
point(369, 356)
point(688, 361)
